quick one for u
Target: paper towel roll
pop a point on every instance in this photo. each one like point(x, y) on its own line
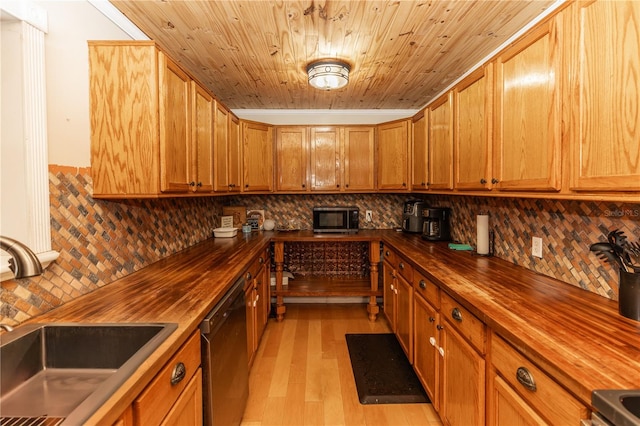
point(483, 234)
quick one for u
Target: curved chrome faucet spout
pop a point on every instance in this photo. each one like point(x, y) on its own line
point(24, 263)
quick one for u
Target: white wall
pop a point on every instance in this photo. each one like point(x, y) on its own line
point(71, 24)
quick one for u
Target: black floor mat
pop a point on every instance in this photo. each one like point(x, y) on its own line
point(382, 371)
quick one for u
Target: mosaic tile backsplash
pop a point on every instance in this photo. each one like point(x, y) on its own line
point(101, 241)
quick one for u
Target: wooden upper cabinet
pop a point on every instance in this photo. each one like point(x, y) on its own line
point(234, 154)
point(221, 139)
point(292, 158)
point(441, 143)
point(419, 151)
point(257, 154)
point(473, 105)
point(528, 112)
point(175, 129)
point(604, 131)
point(358, 161)
point(202, 131)
point(124, 131)
point(393, 146)
point(324, 148)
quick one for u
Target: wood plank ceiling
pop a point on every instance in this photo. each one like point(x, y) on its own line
point(253, 54)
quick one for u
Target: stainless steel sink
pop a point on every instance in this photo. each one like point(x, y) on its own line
point(620, 407)
point(65, 372)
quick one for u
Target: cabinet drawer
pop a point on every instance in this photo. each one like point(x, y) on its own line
point(428, 289)
point(390, 256)
point(156, 400)
point(548, 398)
point(467, 324)
point(405, 269)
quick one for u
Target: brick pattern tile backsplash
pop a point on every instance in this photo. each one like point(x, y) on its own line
point(101, 241)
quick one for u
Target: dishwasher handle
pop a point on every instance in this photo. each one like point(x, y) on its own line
point(220, 312)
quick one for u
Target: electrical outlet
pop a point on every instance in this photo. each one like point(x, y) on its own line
point(536, 247)
point(369, 216)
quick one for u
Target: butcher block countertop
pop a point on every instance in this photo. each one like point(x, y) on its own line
point(576, 336)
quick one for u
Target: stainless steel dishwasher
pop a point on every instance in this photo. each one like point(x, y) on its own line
point(224, 359)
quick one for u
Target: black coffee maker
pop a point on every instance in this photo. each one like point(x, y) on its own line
point(412, 219)
point(436, 224)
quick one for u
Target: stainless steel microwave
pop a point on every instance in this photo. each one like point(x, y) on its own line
point(336, 219)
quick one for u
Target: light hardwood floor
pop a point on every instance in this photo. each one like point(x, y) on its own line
point(302, 373)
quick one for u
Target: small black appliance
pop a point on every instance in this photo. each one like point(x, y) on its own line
point(412, 219)
point(436, 224)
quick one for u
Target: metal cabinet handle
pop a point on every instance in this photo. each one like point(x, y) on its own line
point(386, 253)
point(441, 351)
point(401, 265)
point(439, 327)
point(391, 287)
point(525, 378)
point(304, 185)
point(260, 260)
point(248, 276)
point(483, 181)
point(423, 284)
point(456, 314)
point(192, 183)
point(432, 319)
point(432, 341)
point(494, 181)
point(178, 373)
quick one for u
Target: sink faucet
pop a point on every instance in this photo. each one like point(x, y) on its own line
point(24, 263)
point(6, 327)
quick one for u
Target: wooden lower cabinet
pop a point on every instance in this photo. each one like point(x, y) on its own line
point(462, 372)
point(257, 301)
point(187, 410)
point(518, 391)
point(388, 293)
point(426, 359)
point(181, 403)
point(404, 315)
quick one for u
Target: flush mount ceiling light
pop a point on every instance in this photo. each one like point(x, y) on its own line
point(327, 75)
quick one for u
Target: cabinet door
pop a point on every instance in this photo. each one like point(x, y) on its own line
point(473, 136)
point(249, 300)
point(175, 127)
point(463, 381)
point(187, 410)
point(508, 408)
point(389, 294)
point(404, 316)
point(257, 153)
point(262, 282)
point(441, 143)
point(202, 158)
point(605, 96)
point(393, 146)
point(292, 157)
point(221, 139)
point(359, 159)
point(234, 155)
point(528, 116)
point(419, 152)
point(324, 146)
point(426, 341)
point(124, 130)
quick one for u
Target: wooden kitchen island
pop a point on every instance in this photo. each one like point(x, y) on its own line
point(321, 286)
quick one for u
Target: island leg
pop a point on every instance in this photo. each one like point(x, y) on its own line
point(374, 261)
point(279, 261)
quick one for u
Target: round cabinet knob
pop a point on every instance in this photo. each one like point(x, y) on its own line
point(260, 260)
point(386, 253)
point(192, 183)
point(423, 284)
point(401, 265)
point(199, 184)
point(494, 181)
point(432, 319)
point(483, 181)
point(246, 185)
point(304, 185)
point(439, 327)
point(347, 185)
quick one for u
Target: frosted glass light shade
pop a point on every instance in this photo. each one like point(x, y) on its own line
point(328, 75)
